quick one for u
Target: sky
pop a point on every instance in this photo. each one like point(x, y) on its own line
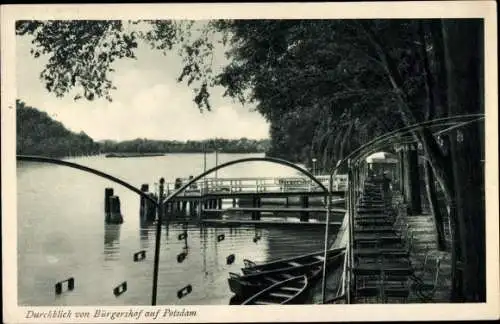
point(148, 102)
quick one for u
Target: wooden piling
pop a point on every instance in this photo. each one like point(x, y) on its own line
point(304, 215)
point(108, 192)
point(256, 203)
point(150, 208)
point(184, 207)
point(115, 216)
point(144, 188)
point(142, 208)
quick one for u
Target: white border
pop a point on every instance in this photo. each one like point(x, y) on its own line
point(302, 313)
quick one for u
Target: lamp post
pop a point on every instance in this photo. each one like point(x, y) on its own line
point(314, 166)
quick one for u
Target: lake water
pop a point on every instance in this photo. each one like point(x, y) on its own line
point(61, 234)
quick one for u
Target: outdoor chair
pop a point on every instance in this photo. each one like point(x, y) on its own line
point(426, 282)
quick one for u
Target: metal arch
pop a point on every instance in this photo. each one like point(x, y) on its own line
point(404, 140)
point(252, 159)
point(407, 129)
point(34, 158)
point(198, 177)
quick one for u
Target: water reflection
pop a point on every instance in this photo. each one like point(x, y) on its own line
point(144, 229)
point(111, 241)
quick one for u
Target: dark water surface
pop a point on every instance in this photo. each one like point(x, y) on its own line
point(61, 234)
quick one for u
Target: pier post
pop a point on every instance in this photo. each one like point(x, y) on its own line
point(115, 216)
point(304, 215)
point(108, 193)
point(144, 188)
point(256, 203)
point(198, 208)
point(150, 208)
point(259, 204)
point(142, 208)
point(191, 208)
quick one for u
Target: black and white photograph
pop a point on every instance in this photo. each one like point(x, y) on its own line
point(161, 158)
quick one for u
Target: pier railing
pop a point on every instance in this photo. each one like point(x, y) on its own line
point(259, 185)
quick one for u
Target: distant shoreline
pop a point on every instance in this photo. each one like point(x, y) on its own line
point(125, 155)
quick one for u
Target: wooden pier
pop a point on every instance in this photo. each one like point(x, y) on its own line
point(272, 187)
point(239, 222)
point(258, 197)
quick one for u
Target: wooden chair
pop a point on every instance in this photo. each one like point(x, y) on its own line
point(426, 283)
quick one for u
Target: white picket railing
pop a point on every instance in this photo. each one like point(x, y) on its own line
point(258, 185)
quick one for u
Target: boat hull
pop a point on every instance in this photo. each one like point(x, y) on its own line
point(310, 258)
point(247, 285)
point(289, 291)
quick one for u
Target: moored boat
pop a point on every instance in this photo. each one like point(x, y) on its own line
point(310, 258)
point(288, 291)
point(250, 284)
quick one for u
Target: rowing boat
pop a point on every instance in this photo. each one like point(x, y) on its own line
point(250, 284)
point(288, 291)
point(310, 258)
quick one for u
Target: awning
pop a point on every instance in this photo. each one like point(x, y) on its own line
point(382, 157)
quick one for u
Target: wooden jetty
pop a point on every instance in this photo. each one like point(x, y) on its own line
point(211, 197)
point(239, 222)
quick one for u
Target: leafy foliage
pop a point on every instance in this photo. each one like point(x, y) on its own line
point(81, 52)
point(38, 134)
point(242, 145)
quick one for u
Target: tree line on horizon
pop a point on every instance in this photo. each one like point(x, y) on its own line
point(38, 134)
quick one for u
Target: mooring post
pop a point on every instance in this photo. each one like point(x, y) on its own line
point(304, 215)
point(150, 208)
point(259, 204)
point(142, 209)
point(254, 205)
point(191, 208)
point(108, 192)
point(115, 216)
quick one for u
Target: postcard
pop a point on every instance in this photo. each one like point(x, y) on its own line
point(268, 162)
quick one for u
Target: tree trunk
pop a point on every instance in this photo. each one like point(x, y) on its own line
point(431, 114)
point(434, 206)
point(401, 171)
point(463, 49)
point(412, 186)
